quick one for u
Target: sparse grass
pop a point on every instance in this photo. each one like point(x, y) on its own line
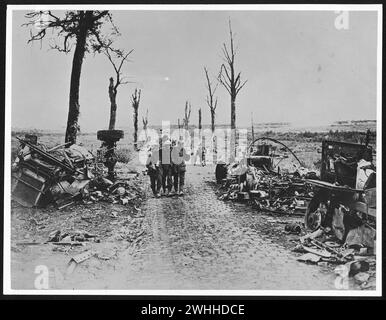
point(124, 155)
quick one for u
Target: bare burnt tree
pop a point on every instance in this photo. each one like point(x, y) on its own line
point(199, 119)
point(117, 58)
point(179, 128)
point(210, 99)
point(82, 29)
point(188, 110)
point(145, 122)
point(200, 126)
point(135, 99)
point(231, 80)
point(252, 128)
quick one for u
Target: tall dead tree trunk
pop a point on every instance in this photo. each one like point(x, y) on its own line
point(135, 99)
point(79, 29)
point(252, 128)
point(117, 58)
point(179, 128)
point(145, 122)
point(199, 119)
point(188, 110)
point(77, 61)
point(210, 99)
point(200, 127)
point(231, 82)
point(113, 104)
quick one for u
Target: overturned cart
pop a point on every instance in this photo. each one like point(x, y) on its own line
point(40, 174)
point(345, 196)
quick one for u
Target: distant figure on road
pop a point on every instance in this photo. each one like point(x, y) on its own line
point(200, 155)
point(203, 153)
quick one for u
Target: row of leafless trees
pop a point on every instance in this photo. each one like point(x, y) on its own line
point(113, 89)
point(230, 79)
point(86, 31)
point(83, 30)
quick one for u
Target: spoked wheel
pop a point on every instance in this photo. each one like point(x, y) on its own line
point(316, 213)
point(277, 152)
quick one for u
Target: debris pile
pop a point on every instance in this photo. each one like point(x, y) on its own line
point(59, 237)
point(352, 258)
point(63, 175)
point(122, 192)
point(338, 205)
point(267, 190)
point(342, 212)
point(346, 184)
point(65, 239)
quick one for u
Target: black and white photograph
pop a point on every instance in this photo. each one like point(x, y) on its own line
point(201, 150)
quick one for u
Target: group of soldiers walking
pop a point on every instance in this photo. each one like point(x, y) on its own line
point(166, 165)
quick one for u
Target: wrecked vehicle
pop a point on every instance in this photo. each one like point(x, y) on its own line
point(266, 156)
point(345, 196)
point(260, 155)
point(259, 179)
point(342, 214)
point(338, 206)
point(345, 188)
point(40, 175)
point(65, 174)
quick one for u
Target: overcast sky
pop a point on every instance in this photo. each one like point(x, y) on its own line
point(299, 67)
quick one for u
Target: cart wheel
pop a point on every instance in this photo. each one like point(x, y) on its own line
point(315, 213)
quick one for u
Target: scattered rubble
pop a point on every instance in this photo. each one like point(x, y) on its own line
point(338, 205)
point(293, 228)
point(322, 247)
point(79, 258)
point(257, 180)
point(67, 237)
point(338, 232)
point(64, 175)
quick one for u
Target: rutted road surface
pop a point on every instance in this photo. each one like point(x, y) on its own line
point(200, 242)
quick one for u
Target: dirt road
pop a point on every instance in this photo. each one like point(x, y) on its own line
point(199, 242)
point(190, 242)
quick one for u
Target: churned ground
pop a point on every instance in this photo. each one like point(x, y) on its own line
point(190, 242)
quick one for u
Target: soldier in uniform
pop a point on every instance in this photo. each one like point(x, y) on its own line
point(166, 165)
point(154, 170)
point(179, 156)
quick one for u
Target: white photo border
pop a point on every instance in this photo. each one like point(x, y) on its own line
point(7, 290)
